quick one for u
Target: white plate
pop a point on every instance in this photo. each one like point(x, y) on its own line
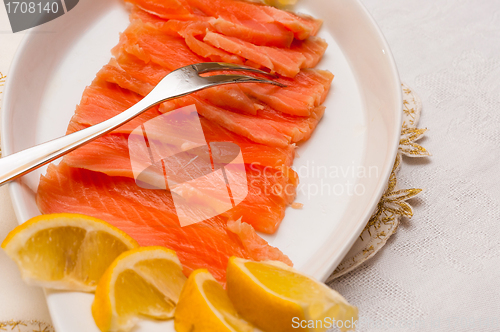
point(360, 130)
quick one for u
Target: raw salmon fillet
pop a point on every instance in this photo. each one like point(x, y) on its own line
point(131, 73)
point(286, 62)
point(149, 217)
point(301, 95)
point(257, 33)
point(263, 121)
point(267, 186)
point(148, 41)
point(308, 88)
point(268, 127)
point(102, 100)
point(260, 21)
point(270, 181)
point(204, 39)
point(110, 155)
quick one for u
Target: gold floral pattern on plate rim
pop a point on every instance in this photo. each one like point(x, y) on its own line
point(25, 326)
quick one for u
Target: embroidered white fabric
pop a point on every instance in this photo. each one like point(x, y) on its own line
point(18, 302)
point(440, 271)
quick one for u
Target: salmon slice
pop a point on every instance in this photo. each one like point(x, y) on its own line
point(113, 73)
point(307, 90)
point(110, 153)
point(253, 153)
point(258, 24)
point(149, 216)
point(131, 73)
point(268, 127)
point(265, 34)
point(164, 45)
point(151, 44)
point(177, 10)
point(267, 186)
point(193, 36)
point(286, 62)
point(192, 32)
point(102, 100)
point(302, 26)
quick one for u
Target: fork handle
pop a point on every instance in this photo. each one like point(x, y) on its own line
point(25, 161)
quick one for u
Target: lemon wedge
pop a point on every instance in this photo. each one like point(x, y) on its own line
point(280, 3)
point(65, 251)
point(275, 297)
point(141, 282)
point(205, 307)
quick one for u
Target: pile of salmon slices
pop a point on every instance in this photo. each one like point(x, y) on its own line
point(264, 121)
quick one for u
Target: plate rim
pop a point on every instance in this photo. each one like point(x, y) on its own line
point(396, 133)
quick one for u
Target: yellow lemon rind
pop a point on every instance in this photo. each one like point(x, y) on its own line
point(17, 238)
point(195, 311)
point(104, 305)
point(27, 229)
point(279, 309)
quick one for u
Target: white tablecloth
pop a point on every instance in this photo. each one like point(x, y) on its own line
point(17, 301)
point(441, 271)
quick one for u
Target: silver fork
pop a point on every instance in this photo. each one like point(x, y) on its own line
point(178, 83)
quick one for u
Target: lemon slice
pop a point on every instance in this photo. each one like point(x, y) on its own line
point(141, 282)
point(65, 251)
point(205, 307)
point(275, 297)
